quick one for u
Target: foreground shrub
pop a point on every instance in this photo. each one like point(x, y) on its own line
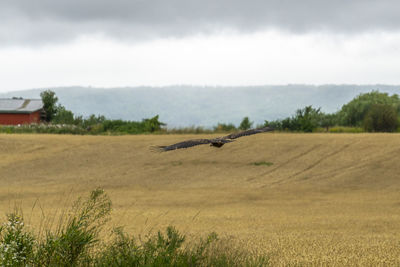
point(168, 250)
point(159, 250)
point(77, 234)
point(16, 245)
point(76, 242)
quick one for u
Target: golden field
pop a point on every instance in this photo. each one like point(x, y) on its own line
point(319, 199)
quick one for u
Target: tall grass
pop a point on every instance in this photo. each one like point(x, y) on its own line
point(77, 241)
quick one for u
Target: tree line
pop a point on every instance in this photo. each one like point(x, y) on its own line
point(95, 124)
point(371, 112)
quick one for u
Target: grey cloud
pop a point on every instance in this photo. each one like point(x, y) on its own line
point(44, 21)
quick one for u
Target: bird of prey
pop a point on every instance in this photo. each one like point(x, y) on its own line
point(216, 142)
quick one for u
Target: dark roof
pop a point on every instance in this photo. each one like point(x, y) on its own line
point(8, 105)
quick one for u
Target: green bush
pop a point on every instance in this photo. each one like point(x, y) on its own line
point(381, 118)
point(354, 112)
point(306, 119)
point(63, 116)
point(168, 250)
point(261, 163)
point(76, 242)
point(92, 125)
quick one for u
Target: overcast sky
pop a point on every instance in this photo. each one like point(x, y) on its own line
point(48, 43)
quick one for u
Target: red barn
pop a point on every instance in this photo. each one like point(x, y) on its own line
point(20, 111)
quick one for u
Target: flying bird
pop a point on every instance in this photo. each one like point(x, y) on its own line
point(216, 142)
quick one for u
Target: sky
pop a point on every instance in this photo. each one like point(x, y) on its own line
point(102, 43)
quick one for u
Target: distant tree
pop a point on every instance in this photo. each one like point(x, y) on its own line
point(93, 119)
point(153, 124)
point(49, 100)
point(245, 124)
point(276, 124)
point(289, 125)
point(306, 119)
point(353, 113)
point(90, 121)
point(381, 118)
point(328, 120)
point(63, 116)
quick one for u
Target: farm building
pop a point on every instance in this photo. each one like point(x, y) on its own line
point(20, 111)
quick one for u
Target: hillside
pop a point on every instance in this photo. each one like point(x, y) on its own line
point(318, 199)
point(182, 106)
point(332, 161)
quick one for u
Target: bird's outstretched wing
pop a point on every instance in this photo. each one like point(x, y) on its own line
point(217, 142)
point(248, 132)
point(184, 144)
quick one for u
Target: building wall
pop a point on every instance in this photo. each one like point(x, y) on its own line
point(19, 118)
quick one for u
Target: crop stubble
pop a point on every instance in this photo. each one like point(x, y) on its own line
point(325, 199)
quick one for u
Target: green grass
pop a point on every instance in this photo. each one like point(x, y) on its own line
point(77, 241)
point(343, 129)
point(263, 163)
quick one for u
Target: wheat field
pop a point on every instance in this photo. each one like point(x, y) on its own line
point(302, 199)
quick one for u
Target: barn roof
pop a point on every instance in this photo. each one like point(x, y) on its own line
point(8, 105)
